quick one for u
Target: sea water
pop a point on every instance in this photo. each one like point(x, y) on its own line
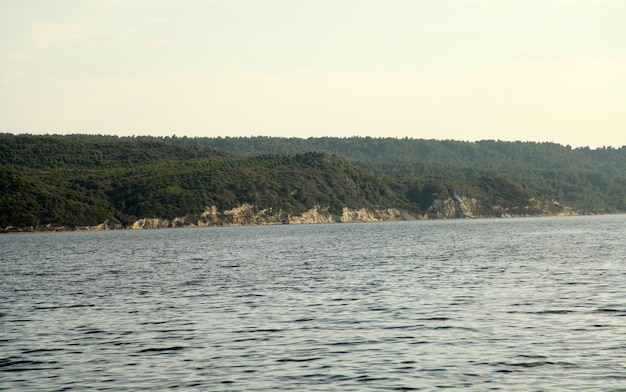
point(493, 304)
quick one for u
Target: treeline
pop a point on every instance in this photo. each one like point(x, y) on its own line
point(64, 181)
point(591, 180)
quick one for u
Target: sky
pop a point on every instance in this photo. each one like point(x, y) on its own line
point(529, 70)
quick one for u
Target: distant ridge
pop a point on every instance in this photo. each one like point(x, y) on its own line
point(55, 182)
point(590, 180)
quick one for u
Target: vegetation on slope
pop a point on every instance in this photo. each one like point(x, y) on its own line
point(68, 182)
point(591, 180)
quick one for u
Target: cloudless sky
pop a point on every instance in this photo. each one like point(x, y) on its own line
point(536, 70)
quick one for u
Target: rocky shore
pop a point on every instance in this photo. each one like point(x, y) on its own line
point(454, 207)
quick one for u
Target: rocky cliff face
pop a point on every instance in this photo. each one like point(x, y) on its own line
point(466, 207)
point(246, 215)
point(454, 207)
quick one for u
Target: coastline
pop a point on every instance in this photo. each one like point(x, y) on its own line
point(247, 215)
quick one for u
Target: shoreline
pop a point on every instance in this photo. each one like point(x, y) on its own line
point(167, 224)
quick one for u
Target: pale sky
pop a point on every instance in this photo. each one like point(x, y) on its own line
point(530, 70)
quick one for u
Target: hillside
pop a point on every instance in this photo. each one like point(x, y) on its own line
point(60, 181)
point(590, 180)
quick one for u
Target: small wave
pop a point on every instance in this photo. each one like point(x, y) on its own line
point(15, 361)
point(614, 377)
point(401, 327)
point(271, 330)
point(556, 311)
point(298, 359)
point(161, 349)
point(81, 306)
point(338, 377)
point(619, 312)
point(16, 364)
point(47, 307)
point(250, 340)
point(351, 343)
point(454, 327)
point(153, 322)
point(418, 342)
point(193, 282)
point(532, 356)
point(344, 299)
point(41, 350)
point(511, 367)
point(248, 295)
point(94, 331)
point(533, 364)
point(506, 371)
point(367, 378)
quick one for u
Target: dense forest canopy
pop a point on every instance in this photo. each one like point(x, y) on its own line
point(85, 180)
point(591, 180)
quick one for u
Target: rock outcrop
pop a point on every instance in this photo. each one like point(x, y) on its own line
point(452, 207)
point(246, 215)
point(456, 206)
point(106, 225)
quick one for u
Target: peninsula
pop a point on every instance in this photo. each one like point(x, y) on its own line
point(62, 183)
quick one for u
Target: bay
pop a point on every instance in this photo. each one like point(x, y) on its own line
point(501, 304)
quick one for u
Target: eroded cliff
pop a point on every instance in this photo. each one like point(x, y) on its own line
point(454, 207)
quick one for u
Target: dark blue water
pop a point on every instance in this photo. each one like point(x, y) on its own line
point(509, 304)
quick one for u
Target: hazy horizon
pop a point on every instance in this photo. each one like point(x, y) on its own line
point(174, 135)
point(467, 70)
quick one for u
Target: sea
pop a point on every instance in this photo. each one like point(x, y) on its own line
point(522, 304)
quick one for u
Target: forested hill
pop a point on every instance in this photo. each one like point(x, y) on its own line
point(591, 180)
point(61, 181)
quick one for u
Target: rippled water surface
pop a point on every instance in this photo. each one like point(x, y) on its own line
point(509, 304)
